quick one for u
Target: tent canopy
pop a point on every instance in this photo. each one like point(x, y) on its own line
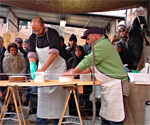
point(73, 6)
point(74, 11)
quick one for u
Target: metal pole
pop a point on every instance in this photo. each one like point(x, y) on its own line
point(93, 76)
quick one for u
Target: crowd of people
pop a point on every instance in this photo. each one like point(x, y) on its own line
point(45, 50)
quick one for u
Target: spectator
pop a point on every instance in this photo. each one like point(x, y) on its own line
point(87, 48)
point(72, 44)
point(64, 53)
point(72, 63)
point(28, 91)
point(14, 56)
point(2, 51)
point(121, 36)
point(2, 76)
point(26, 44)
point(125, 55)
point(17, 65)
point(19, 42)
point(78, 56)
point(121, 44)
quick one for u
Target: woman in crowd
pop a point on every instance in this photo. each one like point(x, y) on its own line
point(17, 60)
point(13, 63)
point(78, 56)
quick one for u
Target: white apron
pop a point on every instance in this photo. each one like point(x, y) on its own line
point(112, 107)
point(51, 99)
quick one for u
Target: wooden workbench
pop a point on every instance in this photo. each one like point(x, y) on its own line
point(47, 83)
point(13, 86)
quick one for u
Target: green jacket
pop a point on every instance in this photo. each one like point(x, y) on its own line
point(107, 60)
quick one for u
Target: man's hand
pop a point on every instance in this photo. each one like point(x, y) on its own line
point(66, 73)
point(33, 68)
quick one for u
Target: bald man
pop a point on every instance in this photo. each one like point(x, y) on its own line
point(45, 45)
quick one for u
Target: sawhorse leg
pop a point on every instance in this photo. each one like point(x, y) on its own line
point(70, 90)
point(77, 105)
point(17, 91)
point(11, 91)
point(5, 105)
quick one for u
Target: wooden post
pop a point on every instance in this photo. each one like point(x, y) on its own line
point(93, 76)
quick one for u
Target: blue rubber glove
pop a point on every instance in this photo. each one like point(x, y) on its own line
point(33, 68)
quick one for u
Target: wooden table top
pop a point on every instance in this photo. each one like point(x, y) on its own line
point(48, 83)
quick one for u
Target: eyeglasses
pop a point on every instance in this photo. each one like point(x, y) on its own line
point(121, 30)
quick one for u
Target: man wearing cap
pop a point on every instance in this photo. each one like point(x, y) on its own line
point(19, 42)
point(109, 70)
point(72, 44)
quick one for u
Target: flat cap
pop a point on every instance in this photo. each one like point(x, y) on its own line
point(92, 30)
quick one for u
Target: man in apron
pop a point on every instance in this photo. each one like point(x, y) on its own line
point(44, 45)
point(109, 70)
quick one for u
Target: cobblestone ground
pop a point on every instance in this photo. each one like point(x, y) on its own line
point(30, 119)
point(69, 121)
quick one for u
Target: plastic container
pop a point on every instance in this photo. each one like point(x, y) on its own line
point(39, 77)
point(147, 113)
point(85, 77)
point(66, 78)
point(139, 77)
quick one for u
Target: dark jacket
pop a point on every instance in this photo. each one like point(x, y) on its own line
point(65, 54)
point(125, 55)
point(2, 54)
point(87, 48)
point(23, 52)
point(74, 61)
point(71, 51)
point(135, 41)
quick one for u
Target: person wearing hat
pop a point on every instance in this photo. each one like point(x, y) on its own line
point(19, 43)
point(72, 44)
point(109, 70)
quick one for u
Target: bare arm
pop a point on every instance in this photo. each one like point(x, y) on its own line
point(48, 62)
point(32, 60)
point(76, 71)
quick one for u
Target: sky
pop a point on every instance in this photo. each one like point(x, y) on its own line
point(119, 13)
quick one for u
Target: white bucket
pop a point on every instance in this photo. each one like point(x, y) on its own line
point(39, 77)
